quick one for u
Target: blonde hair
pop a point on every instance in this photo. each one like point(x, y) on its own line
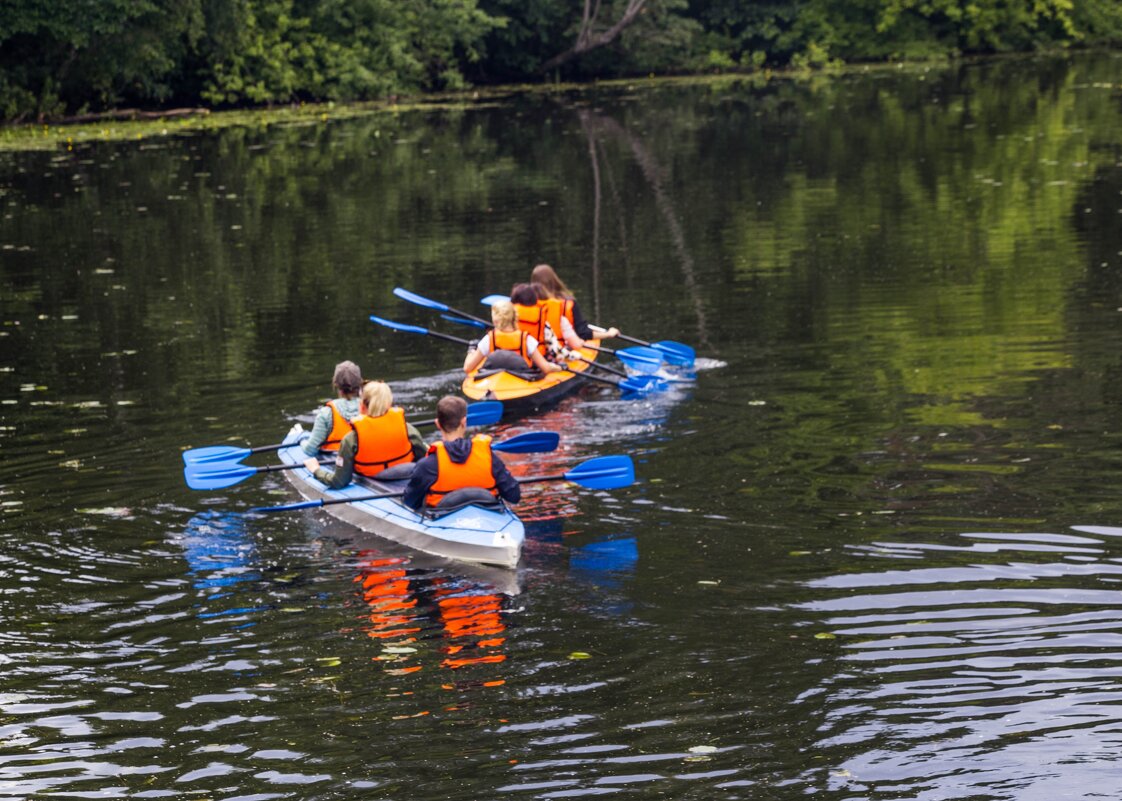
point(376, 398)
point(544, 275)
point(502, 315)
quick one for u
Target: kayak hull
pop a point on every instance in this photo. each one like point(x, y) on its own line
point(518, 393)
point(471, 534)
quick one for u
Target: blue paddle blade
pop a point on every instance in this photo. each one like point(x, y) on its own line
point(412, 329)
point(484, 413)
point(639, 360)
point(491, 300)
point(208, 477)
point(642, 384)
point(676, 352)
point(412, 297)
point(530, 442)
point(213, 454)
point(603, 472)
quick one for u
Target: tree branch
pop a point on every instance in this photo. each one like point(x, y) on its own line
point(588, 40)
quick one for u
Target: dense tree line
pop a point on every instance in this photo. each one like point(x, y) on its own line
point(60, 58)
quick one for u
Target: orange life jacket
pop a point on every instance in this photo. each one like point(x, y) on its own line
point(511, 340)
point(475, 472)
point(340, 427)
point(531, 319)
point(555, 309)
point(382, 442)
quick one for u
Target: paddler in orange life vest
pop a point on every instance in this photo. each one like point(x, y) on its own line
point(456, 462)
point(333, 420)
point(563, 309)
point(506, 346)
point(379, 438)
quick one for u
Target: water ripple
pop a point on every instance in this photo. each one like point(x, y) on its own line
point(946, 692)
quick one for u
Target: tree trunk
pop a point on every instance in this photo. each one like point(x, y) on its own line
point(588, 38)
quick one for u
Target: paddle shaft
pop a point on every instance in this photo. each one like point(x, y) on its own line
point(576, 475)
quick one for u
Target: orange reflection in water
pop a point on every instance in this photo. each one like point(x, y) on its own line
point(408, 609)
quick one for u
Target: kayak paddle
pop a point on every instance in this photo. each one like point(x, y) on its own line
point(413, 297)
point(630, 384)
point(642, 360)
point(674, 352)
point(219, 476)
point(603, 472)
point(481, 413)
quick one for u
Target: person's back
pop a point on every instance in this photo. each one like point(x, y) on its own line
point(529, 307)
point(551, 286)
point(380, 438)
point(457, 462)
point(333, 420)
point(505, 347)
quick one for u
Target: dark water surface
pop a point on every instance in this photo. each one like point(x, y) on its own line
point(875, 550)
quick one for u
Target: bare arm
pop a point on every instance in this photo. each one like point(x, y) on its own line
point(543, 365)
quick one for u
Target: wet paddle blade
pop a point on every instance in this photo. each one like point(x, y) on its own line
point(640, 385)
point(530, 442)
point(642, 360)
point(209, 477)
point(603, 472)
point(213, 454)
point(676, 352)
point(484, 413)
point(491, 300)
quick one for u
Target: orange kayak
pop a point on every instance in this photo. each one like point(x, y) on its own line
point(517, 391)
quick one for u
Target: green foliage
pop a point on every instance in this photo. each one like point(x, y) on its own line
point(58, 58)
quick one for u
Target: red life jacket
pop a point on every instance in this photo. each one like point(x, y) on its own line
point(475, 472)
point(340, 427)
point(511, 340)
point(382, 442)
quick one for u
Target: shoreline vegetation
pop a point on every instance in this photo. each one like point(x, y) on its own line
point(120, 125)
point(92, 62)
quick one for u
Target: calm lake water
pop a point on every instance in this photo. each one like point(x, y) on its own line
point(875, 548)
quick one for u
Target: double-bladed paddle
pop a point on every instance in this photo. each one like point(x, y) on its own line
point(630, 384)
point(645, 361)
point(210, 476)
point(481, 413)
point(601, 473)
point(436, 305)
point(677, 353)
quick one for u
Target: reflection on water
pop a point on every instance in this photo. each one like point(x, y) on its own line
point(846, 569)
point(994, 674)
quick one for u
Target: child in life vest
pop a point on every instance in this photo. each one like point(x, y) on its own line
point(457, 462)
point(507, 337)
point(379, 438)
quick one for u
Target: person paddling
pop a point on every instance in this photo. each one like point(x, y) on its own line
point(507, 347)
point(333, 420)
point(379, 438)
point(456, 462)
point(562, 309)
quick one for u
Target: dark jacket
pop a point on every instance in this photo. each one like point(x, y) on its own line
point(580, 325)
point(424, 474)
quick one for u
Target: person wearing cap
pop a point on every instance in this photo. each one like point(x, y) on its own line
point(333, 420)
point(458, 462)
